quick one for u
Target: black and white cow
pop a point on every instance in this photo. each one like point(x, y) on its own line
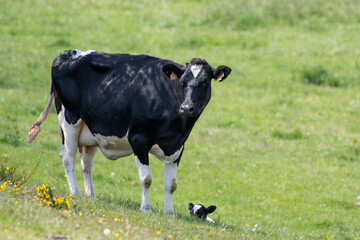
point(124, 104)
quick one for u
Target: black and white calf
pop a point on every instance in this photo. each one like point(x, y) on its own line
point(201, 212)
point(124, 104)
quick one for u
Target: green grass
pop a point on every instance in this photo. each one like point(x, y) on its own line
point(270, 148)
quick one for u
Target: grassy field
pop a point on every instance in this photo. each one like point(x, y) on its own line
point(277, 147)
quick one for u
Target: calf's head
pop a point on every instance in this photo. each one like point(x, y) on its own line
point(195, 78)
point(200, 211)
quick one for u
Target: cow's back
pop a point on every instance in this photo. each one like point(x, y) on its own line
point(100, 88)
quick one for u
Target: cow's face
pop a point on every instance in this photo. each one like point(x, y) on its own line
point(196, 81)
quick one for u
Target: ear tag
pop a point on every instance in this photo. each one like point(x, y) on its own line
point(221, 76)
point(173, 76)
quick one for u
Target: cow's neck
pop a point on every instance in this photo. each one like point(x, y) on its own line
point(187, 126)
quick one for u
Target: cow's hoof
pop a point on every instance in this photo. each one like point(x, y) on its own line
point(91, 195)
point(146, 209)
point(75, 193)
point(170, 213)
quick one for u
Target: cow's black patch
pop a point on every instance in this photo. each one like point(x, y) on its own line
point(70, 117)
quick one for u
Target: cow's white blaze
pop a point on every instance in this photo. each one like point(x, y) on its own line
point(196, 208)
point(159, 153)
point(195, 69)
point(145, 180)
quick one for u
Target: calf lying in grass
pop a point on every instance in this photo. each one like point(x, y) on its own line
point(200, 211)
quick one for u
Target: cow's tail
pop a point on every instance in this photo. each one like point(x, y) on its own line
point(35, 129)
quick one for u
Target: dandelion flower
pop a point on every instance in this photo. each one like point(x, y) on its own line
point(100, 221)
point(80, 214)
point(158, 232)
point(169, 236)
point(107, 231)
point(5, 230)
point(116, 234)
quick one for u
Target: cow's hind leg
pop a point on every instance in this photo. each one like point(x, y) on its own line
point(68, 150)
point(87, 162)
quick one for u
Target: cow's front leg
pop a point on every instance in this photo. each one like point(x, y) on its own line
point(169, 187)
point(145, 176)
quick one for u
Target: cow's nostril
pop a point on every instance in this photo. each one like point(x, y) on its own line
point(191, 108)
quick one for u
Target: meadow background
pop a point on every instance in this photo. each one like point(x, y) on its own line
point(277, 150)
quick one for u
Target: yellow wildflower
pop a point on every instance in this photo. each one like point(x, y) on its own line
point(116, 234)
point(158, 232)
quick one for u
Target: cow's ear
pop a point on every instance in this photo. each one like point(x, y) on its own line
point(221, 73)
point(100, 66)
point(211, 209)
point(172, 71)
point(191, 206)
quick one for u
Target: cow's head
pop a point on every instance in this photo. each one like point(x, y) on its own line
point(195, 78)
point(201, 212)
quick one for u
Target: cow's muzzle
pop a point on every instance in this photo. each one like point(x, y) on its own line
point(187, 109)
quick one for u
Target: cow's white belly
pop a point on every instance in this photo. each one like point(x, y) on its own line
point(114, 147)
point(111, 146)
